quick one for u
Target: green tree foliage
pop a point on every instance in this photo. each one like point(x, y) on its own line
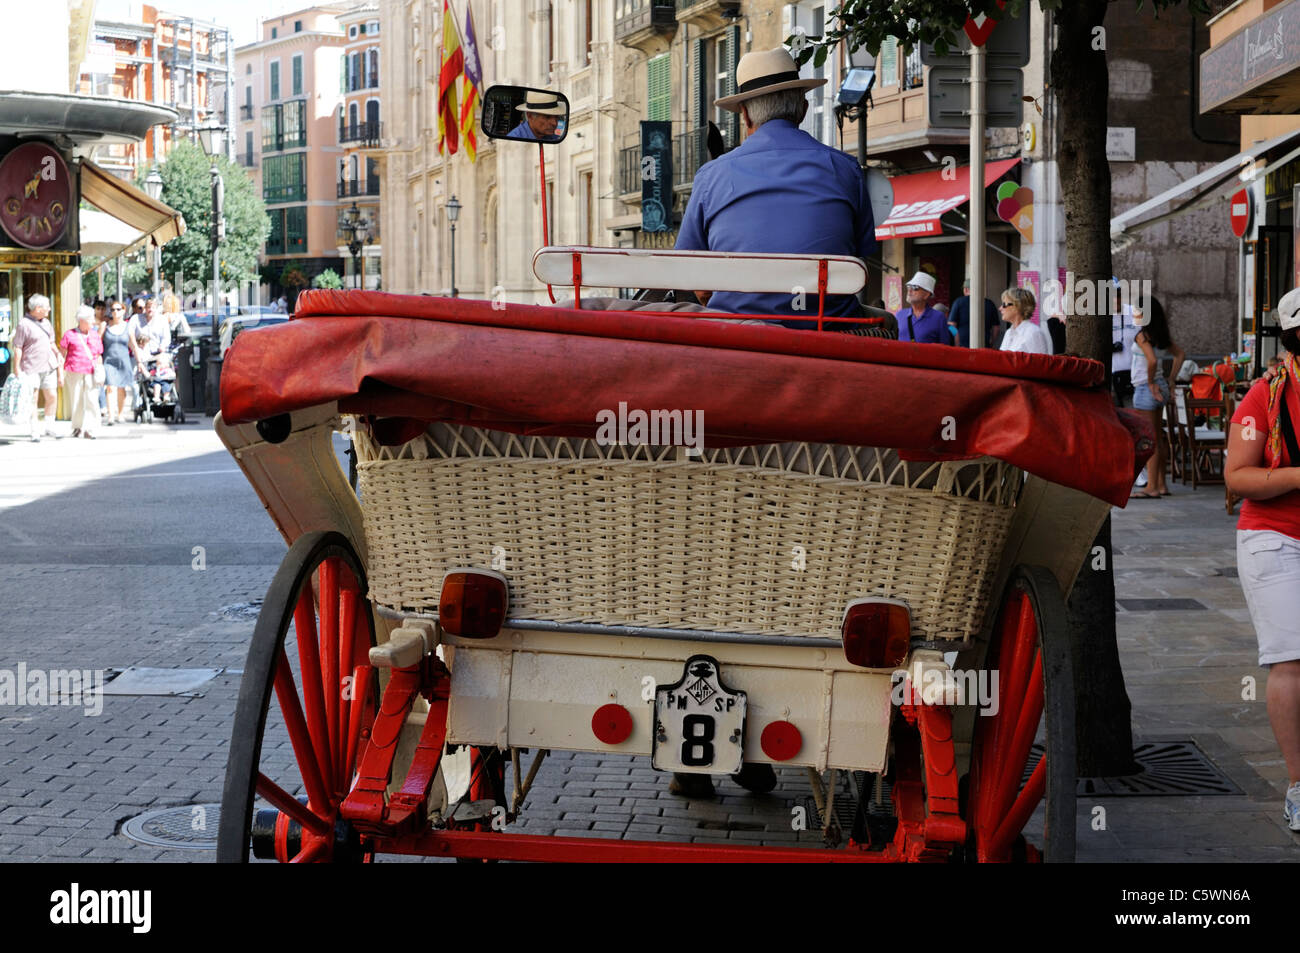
point(187, 187)
point(327, 279)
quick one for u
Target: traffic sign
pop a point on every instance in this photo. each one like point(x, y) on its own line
point(1239, 210)
point(1008, 47)
point(948, 88)
point(980, 28)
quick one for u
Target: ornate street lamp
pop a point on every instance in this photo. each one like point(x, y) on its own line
point(153, 186)
point(453, 213)
point(357, 227)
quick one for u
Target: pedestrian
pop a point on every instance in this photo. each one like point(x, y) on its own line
point(1152, 387)
point(177, 325)
point(37, 360)
point(1022, 333)
point(82, 353)
point(1056, 331)
point(919, 322)
point(960, 316)
point(120, 359)
point(1262, 466)
point(101, 321)
point(1122, 334)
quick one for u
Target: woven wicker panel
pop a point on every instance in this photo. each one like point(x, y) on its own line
point(650, 536)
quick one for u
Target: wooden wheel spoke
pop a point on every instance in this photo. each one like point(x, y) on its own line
point(278, 798)
point(304, 617)
point(312, 853)
point(299, 735)
point(349, 618)
point(329, 654)
point(1021, 810)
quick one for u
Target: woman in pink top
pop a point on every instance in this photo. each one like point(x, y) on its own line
point(1263, 468)
point(82, 350)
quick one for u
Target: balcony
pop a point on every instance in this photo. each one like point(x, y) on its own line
point(247, 159)
point(708, 14)
point(246, 111)
point(646, 25)
point(347, 188)
point(629, 171)
point(365, 134)
point(278, 143)
point(690, 151)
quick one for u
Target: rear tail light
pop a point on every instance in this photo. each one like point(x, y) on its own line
point(473, 603)
point(877, 632)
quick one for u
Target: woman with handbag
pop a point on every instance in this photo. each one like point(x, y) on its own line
point(1262, 467)
point(82, 359)
point(1152, 388)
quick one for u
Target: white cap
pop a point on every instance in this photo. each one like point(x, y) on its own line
point(922, 280)
point(1288, 310)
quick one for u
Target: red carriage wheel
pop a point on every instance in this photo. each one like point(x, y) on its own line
point(1031, 653)
point(314, 629)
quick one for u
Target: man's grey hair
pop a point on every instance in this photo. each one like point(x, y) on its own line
point(37, 301)
point(785, 104)
point(85, 313)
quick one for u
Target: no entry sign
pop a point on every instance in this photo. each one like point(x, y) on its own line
point(980, 28)
point(1239, 212)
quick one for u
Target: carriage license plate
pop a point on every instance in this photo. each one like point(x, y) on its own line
point(699, 722)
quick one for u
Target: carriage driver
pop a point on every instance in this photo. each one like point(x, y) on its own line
point(779, 192)
point(541, 119)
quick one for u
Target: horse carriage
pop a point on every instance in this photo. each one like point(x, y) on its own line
point(663, 534)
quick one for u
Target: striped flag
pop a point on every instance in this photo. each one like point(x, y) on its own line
point(473, 80)
point(453, 61)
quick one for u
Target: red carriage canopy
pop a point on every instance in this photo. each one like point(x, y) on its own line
point(547, 370)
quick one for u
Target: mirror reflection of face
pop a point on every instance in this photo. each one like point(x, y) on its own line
point(542, 125)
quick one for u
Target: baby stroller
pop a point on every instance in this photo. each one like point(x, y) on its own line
point(160, 371)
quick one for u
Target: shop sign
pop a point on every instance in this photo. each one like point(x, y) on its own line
point(35, 195)
point(1259, 52)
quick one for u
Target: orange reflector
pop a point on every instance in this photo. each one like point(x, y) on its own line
point(877, 632)
point(473, 603)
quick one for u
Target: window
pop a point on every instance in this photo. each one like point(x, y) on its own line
point(248, 148)
point(810, 18)
point(372, 112)
point(248, 69)
point(275, 240)
point(275, 80)
point(352, 32)
point(372, 28)
point(714, 72)
point(352, 115)
point(550, 39)
point(284, 126)
point(295, 230)
point(372, 68)
point(586, 210)
point(284, 178)
point(660, 91)
point(297, 75)
point(297, 26)
point(248, 100)
point(274, 33)
point(887, 63)
point(355, 81)
point(913, 71)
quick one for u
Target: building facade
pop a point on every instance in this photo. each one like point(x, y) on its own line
point(176, 62)
point(287, 137)
point(360, 135)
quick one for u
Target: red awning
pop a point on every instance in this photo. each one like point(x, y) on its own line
point(547, 370)
point(920, 199)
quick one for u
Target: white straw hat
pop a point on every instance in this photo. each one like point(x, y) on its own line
point(1288, 310)
point(547, 106)
point(765, 71)
point(922, 280)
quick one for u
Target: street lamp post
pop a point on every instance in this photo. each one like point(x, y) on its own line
point(453, 213)
point(153, 186)
point(356, 226)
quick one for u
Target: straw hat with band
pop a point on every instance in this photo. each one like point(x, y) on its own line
point(765, 71)
point(546, 107)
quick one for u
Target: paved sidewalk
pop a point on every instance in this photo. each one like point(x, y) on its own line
point(68, 782)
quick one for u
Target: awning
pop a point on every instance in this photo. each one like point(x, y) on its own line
point(1219, 182)
point(921, 198)
point(104, 236)
point(124, 202)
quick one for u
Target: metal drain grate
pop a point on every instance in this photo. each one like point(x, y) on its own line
point(1169, 769)
point(188, 827)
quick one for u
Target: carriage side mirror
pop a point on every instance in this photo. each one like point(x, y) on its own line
point(521, 112)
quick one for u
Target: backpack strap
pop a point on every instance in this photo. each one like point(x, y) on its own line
point(1288, 433)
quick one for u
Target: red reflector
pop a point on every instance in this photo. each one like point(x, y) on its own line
point(473, 603)
point(611, 724)
point(877, 633)
point(781, 741)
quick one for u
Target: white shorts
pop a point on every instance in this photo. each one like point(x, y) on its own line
point(1268, 566)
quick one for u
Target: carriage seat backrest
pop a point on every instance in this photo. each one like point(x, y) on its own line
point(700, 270)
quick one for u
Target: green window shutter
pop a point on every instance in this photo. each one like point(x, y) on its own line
point(732, 130)
point(659, 92)
point(297, 75)
point(698, 86)
point(275, 80)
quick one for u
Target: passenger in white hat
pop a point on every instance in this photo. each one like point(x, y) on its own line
point(542, 115)
point(919, 322)
point(1262, 466)
point(780, 191)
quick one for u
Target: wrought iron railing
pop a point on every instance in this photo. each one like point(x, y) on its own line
point(366, 186)
point(366, 133)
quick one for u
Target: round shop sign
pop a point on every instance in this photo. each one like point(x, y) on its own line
point(35, 195)
point(1239, 212)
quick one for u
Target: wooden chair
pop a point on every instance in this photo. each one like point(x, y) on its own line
point(1176, 428)
point(1205, 446)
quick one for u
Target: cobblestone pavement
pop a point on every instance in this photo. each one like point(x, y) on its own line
point(96, 548)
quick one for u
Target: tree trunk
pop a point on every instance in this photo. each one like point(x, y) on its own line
point(1080, 83)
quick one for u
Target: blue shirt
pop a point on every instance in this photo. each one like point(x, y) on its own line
point(780, 192)
point(931, 326)
point(522, 131)
point(960, 315)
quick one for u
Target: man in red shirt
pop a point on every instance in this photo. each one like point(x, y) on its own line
point(1263, 467)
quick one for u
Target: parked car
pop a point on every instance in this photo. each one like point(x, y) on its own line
point(238, 324)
